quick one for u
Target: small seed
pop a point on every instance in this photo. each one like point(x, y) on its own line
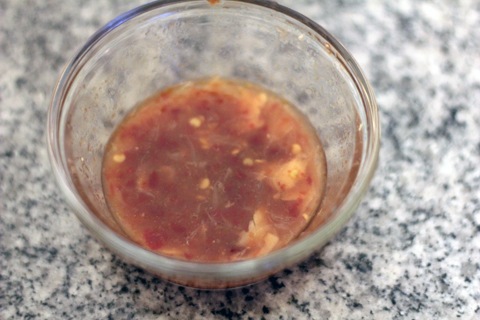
point(259, 160)
point(195, 122)
point(296, 148)
point(247, 162)
point(294, 173)
point(205, 183)
point(119, 157)
point(235, 152)
point(305, 216)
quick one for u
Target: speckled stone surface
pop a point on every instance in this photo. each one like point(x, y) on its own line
point(412, 251)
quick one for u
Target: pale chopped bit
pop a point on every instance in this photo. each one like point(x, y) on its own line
point(252, 106)
point(205, 183)
point(256, 235)
point(270, 240)
point(204, 143)
point(296, 148)
point(258, 217)
point(235, 152)
point(243, 239)
point(294, 173)
point(256, 104)
point(247, 162)
point(251, 227)
point(260, 220)
point(301, 36)
point(171, 251)
point(195, 122)
point(305, 216)
point(269, 243)
point(284, 176)
point(259, 160)
point(229, 204)
point(200, 197)
point(262, 98)
point(119, 157)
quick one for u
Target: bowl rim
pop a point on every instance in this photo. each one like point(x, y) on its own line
point(227, 271)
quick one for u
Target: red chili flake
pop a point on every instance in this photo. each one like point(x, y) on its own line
point(309, 180)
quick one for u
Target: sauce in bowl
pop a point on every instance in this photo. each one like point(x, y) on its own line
point(214, 170)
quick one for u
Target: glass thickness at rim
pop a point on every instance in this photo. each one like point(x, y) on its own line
point(230, 271)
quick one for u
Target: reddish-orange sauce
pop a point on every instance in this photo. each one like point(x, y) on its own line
point(214, 170)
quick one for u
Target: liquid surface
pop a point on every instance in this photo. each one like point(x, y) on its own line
point(214, 171)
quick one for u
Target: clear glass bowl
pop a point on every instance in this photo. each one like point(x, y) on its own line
point(166, 42)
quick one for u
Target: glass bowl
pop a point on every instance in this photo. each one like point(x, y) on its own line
point(166, 42)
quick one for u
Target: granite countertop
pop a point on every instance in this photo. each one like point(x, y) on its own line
point(412, 250)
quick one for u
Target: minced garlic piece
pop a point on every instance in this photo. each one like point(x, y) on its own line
point(285, 176)
point(269, 243)
point(119, 157)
